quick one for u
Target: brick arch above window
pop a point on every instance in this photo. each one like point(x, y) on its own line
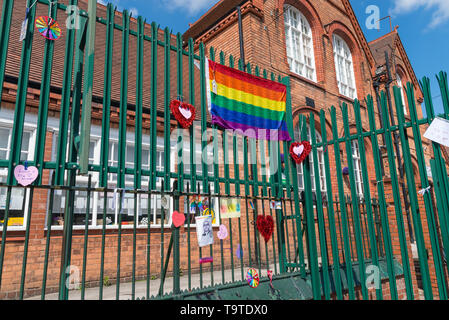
point(318, 31)
point(348, 37)
point(306, 112)
point(401, 81)
point(402, 73)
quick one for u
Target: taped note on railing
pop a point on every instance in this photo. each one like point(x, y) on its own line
point(204, 230)
point(438, 131)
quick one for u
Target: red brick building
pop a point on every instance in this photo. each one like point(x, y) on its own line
point(318, 44)
point(321, 47)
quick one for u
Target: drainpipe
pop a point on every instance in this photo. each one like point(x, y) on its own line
point(242, 57)
point(379, 109)
point(397, 147)
point(242, 47)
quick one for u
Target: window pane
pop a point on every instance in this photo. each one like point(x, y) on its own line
point(145, 159)
point(25, 146)
point(299, 43)
point(129, 157)
point(92, 145)
point(4, 140)
point(344, 67)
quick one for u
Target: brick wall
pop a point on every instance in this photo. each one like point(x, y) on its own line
point(264, 46)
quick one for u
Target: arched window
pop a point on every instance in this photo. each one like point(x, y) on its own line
point(401, 87)
point(344, 68)
point(298, 36)
point(322, 172)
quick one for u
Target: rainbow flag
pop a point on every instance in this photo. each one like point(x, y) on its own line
point(250, 105)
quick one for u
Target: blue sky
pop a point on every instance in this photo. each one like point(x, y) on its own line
point(423, 26)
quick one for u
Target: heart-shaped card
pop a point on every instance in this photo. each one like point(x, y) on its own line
point(265, 225)
point(25, 176)
point(300, 150)
point(178, 219)
point(183, 112)
point(222, 233)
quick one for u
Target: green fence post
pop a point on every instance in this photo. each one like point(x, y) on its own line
point(330, 208)
point(320, 214)
point(44, 97)
point(121, 177)
point(342, 200)
point(397, 199)
point(167, 126)
point(73, 155)
point(310, 216)
point(382, 202)
point(86, 113)
point(294, 174)
point(367, 191)
point(440, 164)
point(153, 115)
point(104, 157)
point(19, 111)
point(139, 105)
point(417, 224)
point(65, 100)
point(355, 203)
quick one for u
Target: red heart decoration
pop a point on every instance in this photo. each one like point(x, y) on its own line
point(265, 225)
point(300, 150)
point(178, 219)
point(183, 112)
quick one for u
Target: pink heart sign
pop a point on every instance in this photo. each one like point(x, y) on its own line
point(185, 112)
point(298, 150)
point(178, 219)
point(222, 233)
point(27, 176)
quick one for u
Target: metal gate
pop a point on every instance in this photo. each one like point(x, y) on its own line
point(97, 222)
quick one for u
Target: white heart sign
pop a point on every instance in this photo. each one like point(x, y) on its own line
point(186, 113)
point(27, 176)
point(298, 150)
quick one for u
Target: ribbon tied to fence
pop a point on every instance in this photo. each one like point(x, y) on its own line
point(424, 191)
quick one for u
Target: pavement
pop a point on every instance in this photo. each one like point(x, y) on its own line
point(109, 292)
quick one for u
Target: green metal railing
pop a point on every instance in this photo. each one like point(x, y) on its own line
point(326, 233)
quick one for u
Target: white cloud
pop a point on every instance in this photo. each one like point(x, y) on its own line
point(134, 12)
point(192, 6)
point(440, 7)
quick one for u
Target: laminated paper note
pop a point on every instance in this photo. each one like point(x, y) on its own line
point(230, 208)
point(438, 131)
point(204, 230)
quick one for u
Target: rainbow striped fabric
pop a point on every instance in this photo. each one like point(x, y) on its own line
point(249, 105)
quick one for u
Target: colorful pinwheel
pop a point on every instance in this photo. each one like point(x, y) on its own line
point(48, 27)
point(252, 277)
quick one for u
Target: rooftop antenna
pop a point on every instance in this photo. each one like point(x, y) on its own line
point(387, 17)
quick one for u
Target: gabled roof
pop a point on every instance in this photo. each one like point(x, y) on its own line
point(214, 15)
point(389, 42)
point(225, 10)
point(58, 58)
point(220, 16)
point(359, 32)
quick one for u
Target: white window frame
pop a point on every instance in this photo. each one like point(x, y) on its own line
point(199, 170)
point(31, 129)
point(357, 164)
point(322, 171)
point(401, 88)
point(95, 197)
point(344, 68)
point(299, 43)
